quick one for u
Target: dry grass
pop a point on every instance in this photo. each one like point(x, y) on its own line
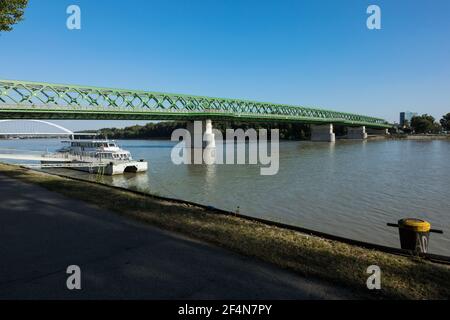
point(332, 261)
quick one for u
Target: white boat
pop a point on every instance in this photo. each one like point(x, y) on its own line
point(99, 155)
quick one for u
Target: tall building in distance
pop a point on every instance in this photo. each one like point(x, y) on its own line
point(406, 116)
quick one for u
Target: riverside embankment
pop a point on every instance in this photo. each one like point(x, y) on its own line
point(337, 263)
point(349, 189)
point(43, 232)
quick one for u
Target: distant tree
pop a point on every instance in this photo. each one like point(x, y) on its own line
point(445, 122)
point(437, 128)
point(406, 128)
point(425, 124)
point(11, 12)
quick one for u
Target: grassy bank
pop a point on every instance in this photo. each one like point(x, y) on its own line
point(332, 261)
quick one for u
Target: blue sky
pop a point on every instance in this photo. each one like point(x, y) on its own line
point(314, 53)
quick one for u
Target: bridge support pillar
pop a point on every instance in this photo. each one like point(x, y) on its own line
point(379, 132)
point(323, 133)
point(358, 133)
point(201, 147)
point(202, 135)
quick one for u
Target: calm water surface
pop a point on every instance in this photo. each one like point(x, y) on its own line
point(350, 189)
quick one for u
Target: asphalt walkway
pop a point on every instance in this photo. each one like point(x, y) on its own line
point(43, 232)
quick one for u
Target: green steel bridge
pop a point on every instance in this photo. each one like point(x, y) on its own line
point(34, 100)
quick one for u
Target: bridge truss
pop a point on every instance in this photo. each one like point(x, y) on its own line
point(33, 100)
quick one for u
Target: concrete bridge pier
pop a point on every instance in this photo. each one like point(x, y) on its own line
point(323, 133)
point(378, 132)
point(357, 133)
point(201, 147)
point(202, 135)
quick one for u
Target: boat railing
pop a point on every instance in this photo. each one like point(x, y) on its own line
point(82, 156)
point(85, 156)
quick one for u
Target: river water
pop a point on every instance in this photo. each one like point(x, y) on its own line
point(350, 188)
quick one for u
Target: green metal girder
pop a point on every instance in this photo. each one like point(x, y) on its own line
point(33, 100)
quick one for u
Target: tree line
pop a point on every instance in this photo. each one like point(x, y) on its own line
point(427, 124)
point(288, 131)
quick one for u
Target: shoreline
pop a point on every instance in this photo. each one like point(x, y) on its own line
point(419, 137)
point(333, 261)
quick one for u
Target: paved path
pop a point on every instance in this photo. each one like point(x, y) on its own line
point(42, 232)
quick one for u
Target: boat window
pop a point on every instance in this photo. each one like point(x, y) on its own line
point(112, 145)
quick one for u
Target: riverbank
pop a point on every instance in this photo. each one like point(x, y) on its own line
point(419, 137)
point(122, 259)
point(342, 264)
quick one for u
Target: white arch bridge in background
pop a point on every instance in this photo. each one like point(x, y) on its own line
point(30, 128)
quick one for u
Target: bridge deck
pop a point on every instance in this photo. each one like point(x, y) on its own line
point(32, 100)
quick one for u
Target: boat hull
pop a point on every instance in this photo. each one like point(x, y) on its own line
point(111, 169)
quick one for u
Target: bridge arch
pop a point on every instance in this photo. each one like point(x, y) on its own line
point(32, 128)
